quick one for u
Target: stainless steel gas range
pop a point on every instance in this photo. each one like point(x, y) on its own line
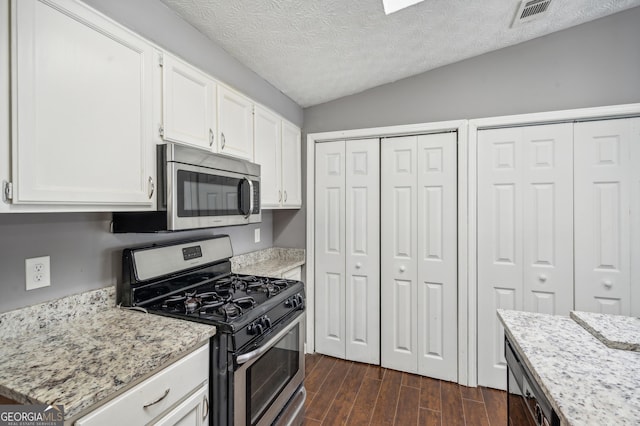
point(257, 354)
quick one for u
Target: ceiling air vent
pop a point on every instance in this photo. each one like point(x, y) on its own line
point(530, 10)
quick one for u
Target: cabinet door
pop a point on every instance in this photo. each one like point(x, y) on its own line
point(399, 333)
point(235, 124)
point(330, 248)
point(437, 256)
point(188, 104)
point(603, 182)
point(362, 209)
point(267, 135)
point(194, 411)
point(82, 93)
point(291, 166)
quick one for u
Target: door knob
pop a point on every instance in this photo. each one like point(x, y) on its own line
point(402, 268)
point(607, 283)
point(358, 265)
point(542, 278)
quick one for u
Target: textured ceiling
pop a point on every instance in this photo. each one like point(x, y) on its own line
point(315, 51)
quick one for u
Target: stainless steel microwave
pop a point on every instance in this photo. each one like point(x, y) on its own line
point(197, 189)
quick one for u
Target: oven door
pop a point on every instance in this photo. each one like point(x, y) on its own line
point(200, 197)
point(266, 378)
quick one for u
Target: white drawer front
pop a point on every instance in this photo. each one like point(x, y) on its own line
point(168, 387)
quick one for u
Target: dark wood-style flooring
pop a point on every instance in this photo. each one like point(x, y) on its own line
point(343, 392)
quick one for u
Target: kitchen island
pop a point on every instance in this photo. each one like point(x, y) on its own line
point(82, 350)
point(586, 382)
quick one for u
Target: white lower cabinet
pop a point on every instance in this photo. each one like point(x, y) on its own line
point(347, 248)
point(419, 255)
point(293, 274)
point(82, 108)
point(177, 395)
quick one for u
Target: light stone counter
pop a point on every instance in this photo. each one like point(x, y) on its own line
point(586, 382)
point(615, 331)
point(81, 350)
point(271, 262)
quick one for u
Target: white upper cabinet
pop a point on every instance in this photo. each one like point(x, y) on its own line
point(188, 101)
point(81, 108)
point(291, 166)
point(267, 149)
point(277, 150)
point(235, 124)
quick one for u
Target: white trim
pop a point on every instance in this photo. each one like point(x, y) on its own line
point(612, 111)
point(464, 291)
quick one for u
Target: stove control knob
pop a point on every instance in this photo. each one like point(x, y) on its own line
point(299, 299)
point(265, 322)
point(291, 302)
point(255, 328)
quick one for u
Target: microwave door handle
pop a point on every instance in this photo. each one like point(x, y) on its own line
point(248, 213)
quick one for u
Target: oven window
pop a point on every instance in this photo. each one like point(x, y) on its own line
point(201, 194)
point(271, 373)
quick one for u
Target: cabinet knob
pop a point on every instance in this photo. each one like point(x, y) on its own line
point(152, 187)
point(402, 268)
point(358, 265)
point(607, 283)
point(542, 278)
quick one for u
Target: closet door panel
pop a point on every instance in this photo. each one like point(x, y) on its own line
point(603, 182)
point(437, 256)
point(399, 254)
point(330, 249)
point(500, 255)
point(635, 220)
point(363, 250)
point(548, 218)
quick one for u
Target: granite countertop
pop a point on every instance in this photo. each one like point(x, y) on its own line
point(615, 331)
point(80, 350)
point(271, 262)
point(586, 382)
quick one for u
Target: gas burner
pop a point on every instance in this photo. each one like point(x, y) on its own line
point(269, 286)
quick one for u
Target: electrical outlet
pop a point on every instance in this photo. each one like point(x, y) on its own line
point(37, 272)
point(256, 235)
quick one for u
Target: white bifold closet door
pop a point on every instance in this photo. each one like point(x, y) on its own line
point(347, 249)
point(419, 254)
point(607, 193)
point(525, 232)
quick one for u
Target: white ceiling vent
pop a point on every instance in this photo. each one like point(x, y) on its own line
point(530, 10)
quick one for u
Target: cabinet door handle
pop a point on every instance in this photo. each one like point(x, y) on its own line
point(157, 400)
point(285, 196)
point(206, 411)
point(211, 136)
point(152, 187)
point(279, 196)
point(224, 141)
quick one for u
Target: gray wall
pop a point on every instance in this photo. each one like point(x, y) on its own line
point(594, 64)
point(84, 255)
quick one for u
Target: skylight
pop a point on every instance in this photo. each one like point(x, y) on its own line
point(391, 6)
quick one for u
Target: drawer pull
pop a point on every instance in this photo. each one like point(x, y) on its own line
point(158, 400)
point(206, 410)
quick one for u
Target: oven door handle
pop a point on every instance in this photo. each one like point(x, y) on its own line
point(244, 358)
